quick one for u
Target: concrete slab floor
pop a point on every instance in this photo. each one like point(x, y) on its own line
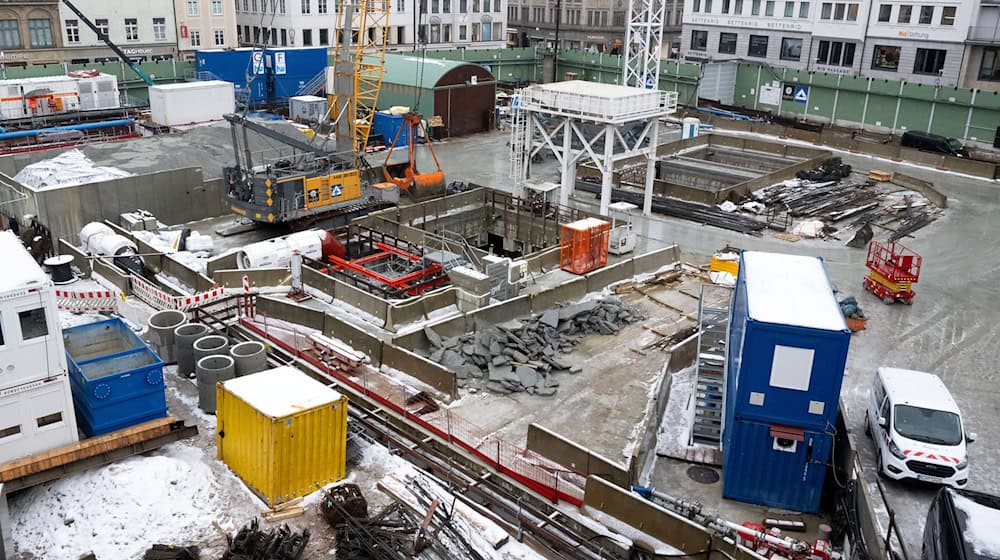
point(604, 405)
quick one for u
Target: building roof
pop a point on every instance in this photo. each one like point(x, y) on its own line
point(406, 70)
point(20, 270)
point(281, 392)
point(917, 388)
point(790, 290)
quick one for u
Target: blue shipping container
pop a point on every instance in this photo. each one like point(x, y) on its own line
point(773, 466)
point(388, 126)
point(277, 73)
point(788, 343)
point(116, 380)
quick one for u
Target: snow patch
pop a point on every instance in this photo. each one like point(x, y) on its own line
point(982, 526)
point(68, 168)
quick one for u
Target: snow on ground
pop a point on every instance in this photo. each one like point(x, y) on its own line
point(675, 427)
point(118, 511)
point(68, 168)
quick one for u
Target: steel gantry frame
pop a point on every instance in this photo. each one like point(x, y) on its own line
point(643, 39)
point(556, 115)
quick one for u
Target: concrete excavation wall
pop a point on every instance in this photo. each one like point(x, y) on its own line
point(659, 523)
point(575, 456)
point(175, 197)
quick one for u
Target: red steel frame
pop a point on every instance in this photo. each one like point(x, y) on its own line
point(385, 251)
point(541, 479)
point(893, 261)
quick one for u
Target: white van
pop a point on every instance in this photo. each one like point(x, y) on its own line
point(917, 428)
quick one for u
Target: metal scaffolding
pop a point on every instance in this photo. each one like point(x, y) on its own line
point(577, 120)
point(643, 37)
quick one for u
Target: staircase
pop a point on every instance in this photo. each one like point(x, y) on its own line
point(710, 376)
point(313, 86)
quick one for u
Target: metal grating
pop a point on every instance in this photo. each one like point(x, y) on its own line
point(710, 376)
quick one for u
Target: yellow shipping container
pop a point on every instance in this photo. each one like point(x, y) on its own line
point(281, 432)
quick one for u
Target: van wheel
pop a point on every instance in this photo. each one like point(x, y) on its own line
point(868, 427)
point(880, 466)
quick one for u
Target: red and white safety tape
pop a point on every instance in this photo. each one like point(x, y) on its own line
point(83, 301)
point(160, 300)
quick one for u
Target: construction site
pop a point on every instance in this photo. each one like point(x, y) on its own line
point(315, 326)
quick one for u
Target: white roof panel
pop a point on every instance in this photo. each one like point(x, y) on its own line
point(790, 290)
point(281, 392)
point(20, 270)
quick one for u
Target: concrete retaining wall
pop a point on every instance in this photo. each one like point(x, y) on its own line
point(80, 258)
point(602, 278)
point(221, 262)
point(258, 278)
point(355, 337)
point(399, 314)
point(575, 456)
point(568, 291)
point(421, 368)
point(659, 523)
point(290, 312)
point(926, 188)
point(113, 275)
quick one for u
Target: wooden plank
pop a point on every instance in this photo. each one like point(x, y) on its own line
point(87, 448)
point(285, 514)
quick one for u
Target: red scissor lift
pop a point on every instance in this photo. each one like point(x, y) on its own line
point(893, 269)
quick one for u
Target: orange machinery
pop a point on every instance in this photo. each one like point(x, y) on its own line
point(584, 245)
point(406, 175)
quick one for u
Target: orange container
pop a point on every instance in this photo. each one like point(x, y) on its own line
point(584, 245)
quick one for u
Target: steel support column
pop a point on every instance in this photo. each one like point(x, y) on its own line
point(607, 167)
point(647, 199)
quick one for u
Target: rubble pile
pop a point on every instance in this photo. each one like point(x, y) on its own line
point(523, 355)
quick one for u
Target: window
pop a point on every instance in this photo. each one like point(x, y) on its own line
point(884, 12)
point(905, 13)
point(852, 12)
point(699, 40)
point(758, 46)
point(463, 6)
point(804, 10)
point(216, 7)
point(446, 8)
point(305, 6)
point(789, 9)
point(307, 37)
point(254, 5)
point(13, 430)
point(929, 61)
point(708, 6)
point(989, 70)
point(826, 10)
point(192, 7)
point(220, 37)
point(40, 32)
point(447, 33)
point(131, 29)
point(462, 34)
point(727, 43)
point(696, 6)
point(926, 14)
point(769, 8)
point(737, 8)
point(726, 5)
point(284, 37)
point(838, 11)
point(791, 49)
point(619, 19)
point(886, 58)
point(33, 324)
point(159, 29)
point(1, 326)
point(49, 419)
point(948, 15)
point(755, 8)
point(496, 6)
point(321, 6)
point(246, 7)
point(281, 6)
point(72, 31)
point(835, 53)
point(196, 37)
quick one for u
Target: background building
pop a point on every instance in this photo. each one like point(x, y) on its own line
point(204, 24)
point(594, 25)
point(919, 42)
point(470, 24)
point(981, 67)
point(143, 30)
point(29, 33)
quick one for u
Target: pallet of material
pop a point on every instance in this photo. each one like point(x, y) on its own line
point(883, 176)
point(85, 449)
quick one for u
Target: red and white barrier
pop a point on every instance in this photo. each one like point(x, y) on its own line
point(160, 300)
point(84, 301)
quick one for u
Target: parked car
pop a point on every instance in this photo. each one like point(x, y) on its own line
point(961, 525)
point(917, 428)
point(929, 142)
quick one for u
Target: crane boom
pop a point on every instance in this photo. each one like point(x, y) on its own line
point(362, 31)
point(104, 37)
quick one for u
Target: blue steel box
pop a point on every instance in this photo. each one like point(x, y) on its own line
point(280, 72)
point(788, 343)
point(116, 380)
point(775, 466)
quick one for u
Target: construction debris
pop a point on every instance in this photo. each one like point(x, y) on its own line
point(251, 543)
point(833, 169)
point(523, 355)
point(171, 552)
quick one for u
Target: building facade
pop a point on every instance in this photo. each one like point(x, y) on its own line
point(144, 31)
point(590, 25)
point(916, 41)
point(30, 33)
point(204, 24)
point(473, 24)
point(981, 67)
